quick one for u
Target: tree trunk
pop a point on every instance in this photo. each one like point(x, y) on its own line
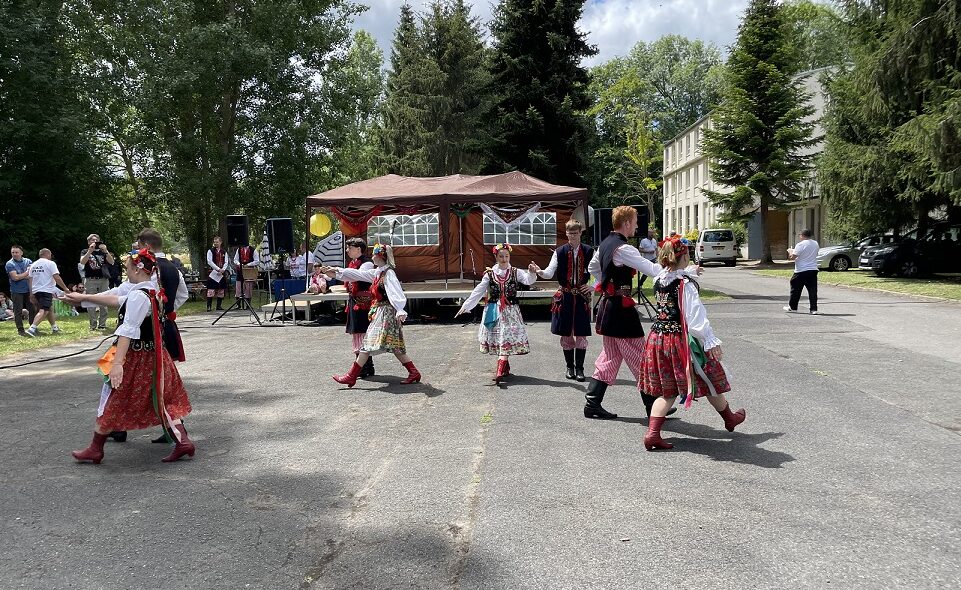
point(766, 257)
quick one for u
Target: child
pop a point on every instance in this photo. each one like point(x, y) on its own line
point(670, 364)
point(502, 333)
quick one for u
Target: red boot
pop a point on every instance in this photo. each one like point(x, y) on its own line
point(184, 446)
point(93, 453)
point(507, 367)
point(350, 379)
point(653, 440)
point(502, 370)
point(413, 375)
point(732, 419)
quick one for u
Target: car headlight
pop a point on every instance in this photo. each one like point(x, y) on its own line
point(884, 251)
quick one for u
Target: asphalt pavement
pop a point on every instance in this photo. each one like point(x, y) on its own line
point(846, 473)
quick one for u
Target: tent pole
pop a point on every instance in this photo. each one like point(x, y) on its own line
point(445, 226)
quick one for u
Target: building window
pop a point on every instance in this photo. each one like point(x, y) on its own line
point(687, 179)
point(697, 175)
point(687, 144)
point(687, 218)
point(696, 224)
point(411, 230)
point(540, 229)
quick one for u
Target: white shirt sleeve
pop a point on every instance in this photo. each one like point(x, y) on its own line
point(696, 317)
point(365, 275)
point(210, 260)
point(182, 293)
point(395, 293)
point(256, 259)
point(528, 278)
point(595, 265)
point(476, 294)
point(548, 273)
point(138, 308)
point(628, 255)
point(237, 257)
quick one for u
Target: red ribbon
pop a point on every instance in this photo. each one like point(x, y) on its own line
point(356, 222)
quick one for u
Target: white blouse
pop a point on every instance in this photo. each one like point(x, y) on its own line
point(395, 292)
point(482, 287)
point(694, 312)
point(138, 308)
point(625, 255)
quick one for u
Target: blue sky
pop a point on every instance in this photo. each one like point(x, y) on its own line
point(613, 26)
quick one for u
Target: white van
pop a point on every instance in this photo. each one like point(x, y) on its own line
point(716, 245)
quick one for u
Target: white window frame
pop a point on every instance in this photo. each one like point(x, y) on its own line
point(539, 229)
point(422, 229)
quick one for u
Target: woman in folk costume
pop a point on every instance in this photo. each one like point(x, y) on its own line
point(571, 307)
point(502, 332)
point(359, 298)
point(142, 387)
point(682, 356)
point(384, 334)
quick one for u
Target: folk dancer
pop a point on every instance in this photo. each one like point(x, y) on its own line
point(245, 257)
point(387, 315)
point(571, 306)
point(615, 264)
point(682, 356)
point(359, 299)
point(219, 269)
point(502, 332)
point(142, 387)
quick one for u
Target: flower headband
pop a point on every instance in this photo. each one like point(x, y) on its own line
point(502, 246)
point(678, 244)
point(379, 250)
point(144, 260)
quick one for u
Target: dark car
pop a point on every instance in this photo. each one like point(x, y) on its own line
point(939, 251)
point(866, 259)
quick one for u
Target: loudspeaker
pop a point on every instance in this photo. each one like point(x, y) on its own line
point(603, 225)
point(238, 230)
point(280, 235)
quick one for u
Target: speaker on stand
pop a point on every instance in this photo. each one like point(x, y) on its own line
point(280, 240)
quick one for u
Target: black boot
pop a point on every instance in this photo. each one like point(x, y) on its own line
point(118, 435)
point(569, 358)
point(210, 301)
point(368, 369)
point(649, 403)
point(220, 304)
point(594, 397)
point(579, 354)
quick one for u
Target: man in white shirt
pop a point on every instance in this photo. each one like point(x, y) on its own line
point(648, 249)
point(804, 254)
point(44, 280)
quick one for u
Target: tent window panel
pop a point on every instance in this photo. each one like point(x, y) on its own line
point(539, 229)
point(411, 230)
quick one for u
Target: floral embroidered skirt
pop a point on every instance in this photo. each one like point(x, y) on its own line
point(384, 333)
point(508, 336)
point(130, 406)
point(663, 373)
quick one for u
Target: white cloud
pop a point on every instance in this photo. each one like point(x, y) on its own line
point(613, 26)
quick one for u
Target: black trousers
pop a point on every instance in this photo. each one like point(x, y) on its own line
point(21, 301)
point(807, 279)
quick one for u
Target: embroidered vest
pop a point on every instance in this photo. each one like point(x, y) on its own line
point(667, 310)
point(572, 272)
point(620, 276)
point(146, 340)
point(509, 286)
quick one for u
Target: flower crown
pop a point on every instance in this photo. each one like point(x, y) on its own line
point(502, 246)
point(678, 244)
point(144, 260)
point(379, 250)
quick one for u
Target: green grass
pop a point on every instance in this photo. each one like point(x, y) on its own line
point(943, 287)
point(74, 329)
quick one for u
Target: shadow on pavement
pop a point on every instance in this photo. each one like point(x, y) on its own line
point(720, 445)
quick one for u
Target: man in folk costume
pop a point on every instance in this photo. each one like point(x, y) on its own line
point(142, 387)
point(387, 314)
point(171, 282)
point(615, 264)
point(571, 307)
point(359, 297)
point(245, 257)
point(217, 279)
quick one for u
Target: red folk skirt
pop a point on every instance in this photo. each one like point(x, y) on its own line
point(130, 406)
point(663, 373)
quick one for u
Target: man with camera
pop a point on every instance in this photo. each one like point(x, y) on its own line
point(95, 259)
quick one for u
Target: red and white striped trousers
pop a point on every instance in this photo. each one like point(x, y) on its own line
point(614, 352)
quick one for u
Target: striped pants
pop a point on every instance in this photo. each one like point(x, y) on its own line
point(357, 341)
point(614, 352)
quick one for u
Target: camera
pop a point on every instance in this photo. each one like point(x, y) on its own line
point(97, 245)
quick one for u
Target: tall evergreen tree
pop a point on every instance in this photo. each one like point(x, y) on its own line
point(760, 131)
point(543, 89)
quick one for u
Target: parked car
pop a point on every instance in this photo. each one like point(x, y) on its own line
point(844, 256)
point(938, 251)
point(866, 260)
point(716, 245)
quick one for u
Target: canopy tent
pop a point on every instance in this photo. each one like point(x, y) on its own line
point(452, 198)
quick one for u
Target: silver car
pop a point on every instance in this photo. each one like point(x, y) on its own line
point(844, 256)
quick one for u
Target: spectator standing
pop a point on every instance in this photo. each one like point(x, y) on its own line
point(44, 280)
point(95, 260)
point(302, 263)
point(805, 255)
point(19, 276)
point(648, 250)
point(6, 308)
